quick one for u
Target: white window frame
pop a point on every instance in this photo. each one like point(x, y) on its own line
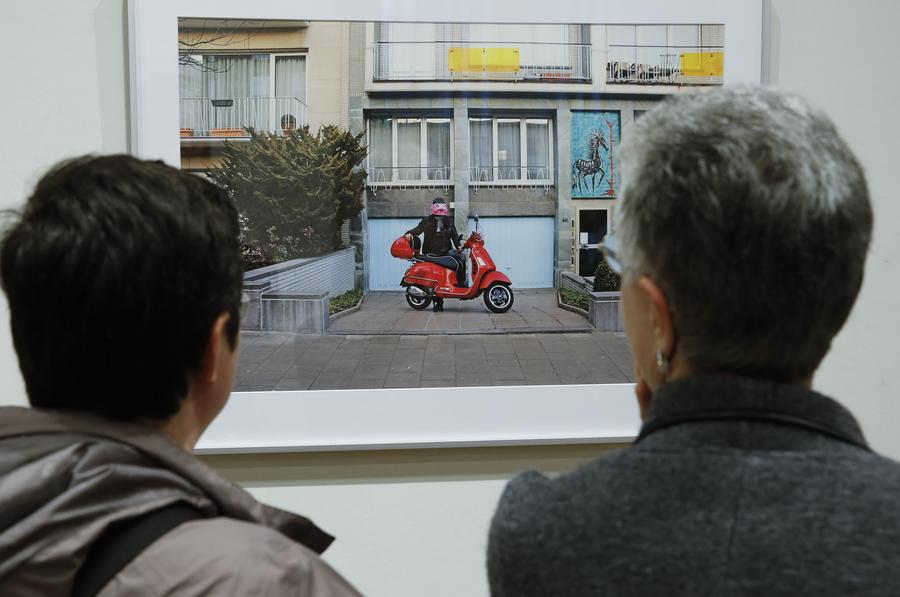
point(523, 179)
point(423, 179)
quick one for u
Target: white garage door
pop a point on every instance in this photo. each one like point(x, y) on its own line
point(385, 272)
point(522, 248)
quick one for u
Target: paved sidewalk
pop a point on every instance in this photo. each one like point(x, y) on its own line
point(388, 313)
point(281, 361)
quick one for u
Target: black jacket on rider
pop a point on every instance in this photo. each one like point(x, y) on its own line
point(440, 235)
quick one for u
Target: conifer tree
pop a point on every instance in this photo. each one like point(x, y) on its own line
point(294, 191)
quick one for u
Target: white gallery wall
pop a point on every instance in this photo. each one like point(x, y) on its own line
point(414, 523)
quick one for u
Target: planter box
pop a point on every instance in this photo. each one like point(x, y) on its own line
point(293, 296)
point(605, 312)
point(295, 312)
point(229, 132)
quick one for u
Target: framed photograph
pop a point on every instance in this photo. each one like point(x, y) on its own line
point(422, 193)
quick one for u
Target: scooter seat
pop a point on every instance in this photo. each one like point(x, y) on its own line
point(442, 260)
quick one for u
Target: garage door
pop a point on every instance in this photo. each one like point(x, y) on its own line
point(385, 271)
point(521, 247)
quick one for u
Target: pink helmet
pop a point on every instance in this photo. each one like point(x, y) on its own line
point(439, 207)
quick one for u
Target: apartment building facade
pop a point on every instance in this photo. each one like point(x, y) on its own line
point(519, 124)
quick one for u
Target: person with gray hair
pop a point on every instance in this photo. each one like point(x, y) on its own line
point(741, 235)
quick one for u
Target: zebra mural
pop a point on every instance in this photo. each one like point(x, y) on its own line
point(595, 140)
point(592, 166)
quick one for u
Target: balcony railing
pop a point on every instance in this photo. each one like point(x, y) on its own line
point(665, 65)
point(230, 116)
point(482, 61)
point(409, 175)
point(511, 176)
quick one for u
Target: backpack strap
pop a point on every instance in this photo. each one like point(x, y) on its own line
point(122, 542)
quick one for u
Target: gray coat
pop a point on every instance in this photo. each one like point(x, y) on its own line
point(65, 477)
point(736, 487)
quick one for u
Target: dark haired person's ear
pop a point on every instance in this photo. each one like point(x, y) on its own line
point(218, 352)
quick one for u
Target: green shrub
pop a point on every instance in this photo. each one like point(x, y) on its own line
point(606, 280)
point(345, 301)
point(294, 191)
point(574, 298)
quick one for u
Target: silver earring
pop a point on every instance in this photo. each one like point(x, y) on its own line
point(662, 363)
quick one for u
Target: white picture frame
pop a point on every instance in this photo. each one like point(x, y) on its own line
point(422, 417)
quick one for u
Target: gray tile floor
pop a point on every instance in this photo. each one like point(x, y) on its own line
point(388, 313)
point(281, 361)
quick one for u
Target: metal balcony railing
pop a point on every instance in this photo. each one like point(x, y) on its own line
point(511, 176)
point(432, 61)
point(665, 65)
point(386, 175)
point(230, 116)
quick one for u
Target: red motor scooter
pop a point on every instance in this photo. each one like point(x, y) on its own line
point(429, 276)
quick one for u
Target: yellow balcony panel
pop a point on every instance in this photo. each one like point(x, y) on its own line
point(703, 64)
point(491, 60)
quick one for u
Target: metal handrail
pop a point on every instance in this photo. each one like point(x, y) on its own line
point(409, 174)
point(511, 175)
point(230, 116)
point(654, 64)
point(539, 61)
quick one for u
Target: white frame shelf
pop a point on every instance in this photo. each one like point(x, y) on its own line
point(434, 417)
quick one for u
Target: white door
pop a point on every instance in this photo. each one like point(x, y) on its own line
point(385, 272)
point(521, 247)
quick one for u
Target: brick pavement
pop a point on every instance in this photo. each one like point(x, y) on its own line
point(281, 361)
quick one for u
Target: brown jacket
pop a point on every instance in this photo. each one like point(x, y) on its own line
point(65, 477)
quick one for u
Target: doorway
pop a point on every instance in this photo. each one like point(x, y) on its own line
point(593, 225)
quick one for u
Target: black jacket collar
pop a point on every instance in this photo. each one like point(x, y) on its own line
point(722, 398)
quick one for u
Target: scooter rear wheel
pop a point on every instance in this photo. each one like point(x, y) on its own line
point(419, 303)
point(498, 297)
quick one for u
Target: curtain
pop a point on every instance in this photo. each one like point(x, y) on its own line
point(238, 78)
point(537, 143)
point(481, 149)
point(438, 145)
point(509, 149)
point(381, 159)
point(409, 148)
point(290, 89)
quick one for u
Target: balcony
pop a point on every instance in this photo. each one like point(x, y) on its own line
point(482, 61)
point(665, 65)
point(215, 118)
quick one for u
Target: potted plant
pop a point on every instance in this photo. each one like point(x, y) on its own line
point(605, 312)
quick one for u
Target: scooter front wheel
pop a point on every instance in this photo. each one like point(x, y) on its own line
point(419, 303)
point(498, 297)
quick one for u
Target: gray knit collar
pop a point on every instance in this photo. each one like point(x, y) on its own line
point(720, 397)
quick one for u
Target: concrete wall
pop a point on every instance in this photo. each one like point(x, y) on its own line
point(331, 273)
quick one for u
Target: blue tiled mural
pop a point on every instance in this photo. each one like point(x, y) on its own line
point(595, 145)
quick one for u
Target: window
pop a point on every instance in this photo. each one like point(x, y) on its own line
point(237, 91)
point(510, 149)
point(409, 148)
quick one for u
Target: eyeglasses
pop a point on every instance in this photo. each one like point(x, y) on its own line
point(610, 248)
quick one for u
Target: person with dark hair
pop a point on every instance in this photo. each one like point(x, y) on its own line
point(741, 235)
point(441, 238)
point(124, 280)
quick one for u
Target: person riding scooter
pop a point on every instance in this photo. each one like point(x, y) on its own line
point(441, 238)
